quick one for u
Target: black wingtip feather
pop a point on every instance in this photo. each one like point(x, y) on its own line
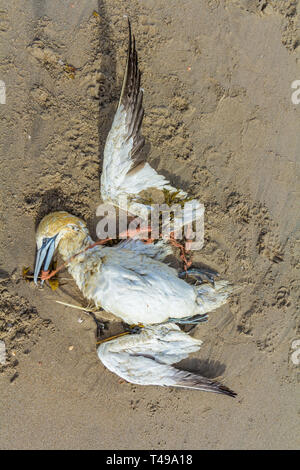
point(194, 381)
point(227, 391)
point(132, 96)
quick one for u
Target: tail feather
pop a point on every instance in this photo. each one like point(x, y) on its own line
point(186, 379)
point(211, 297)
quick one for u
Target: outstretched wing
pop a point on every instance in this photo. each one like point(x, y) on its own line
point(124, 139)
point(124, 175)
point(146, 359)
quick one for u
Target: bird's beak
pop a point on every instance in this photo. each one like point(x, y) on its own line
point(44, 255)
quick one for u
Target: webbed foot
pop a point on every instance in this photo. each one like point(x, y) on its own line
point(100, 325)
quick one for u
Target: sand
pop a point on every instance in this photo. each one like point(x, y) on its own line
point(220, 123)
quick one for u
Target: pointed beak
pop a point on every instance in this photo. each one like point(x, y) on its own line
point(44, 255)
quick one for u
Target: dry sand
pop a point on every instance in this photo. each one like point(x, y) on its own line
point(220, 123)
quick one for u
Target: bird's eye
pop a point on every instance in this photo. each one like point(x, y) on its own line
point(45, 241)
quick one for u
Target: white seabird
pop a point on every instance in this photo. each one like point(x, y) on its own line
point(129, 280)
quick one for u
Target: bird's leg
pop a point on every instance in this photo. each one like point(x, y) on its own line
point(200, 274)
point(100, 325)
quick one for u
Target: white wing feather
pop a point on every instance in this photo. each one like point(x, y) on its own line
point(146, 358)
point(124, 176)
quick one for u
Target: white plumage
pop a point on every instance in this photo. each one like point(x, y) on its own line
point(124, 176)
point(131, 282)
point(146, 359)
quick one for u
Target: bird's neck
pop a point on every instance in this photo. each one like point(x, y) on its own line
point(73, 245)
point(79, 266)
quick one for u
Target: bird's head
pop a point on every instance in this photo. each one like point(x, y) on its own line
point(57, 230)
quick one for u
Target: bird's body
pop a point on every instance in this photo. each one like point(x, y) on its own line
point(131, 281)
